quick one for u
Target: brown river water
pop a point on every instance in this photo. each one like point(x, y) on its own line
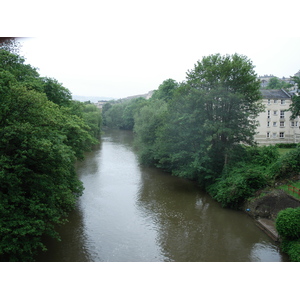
point(132, 213)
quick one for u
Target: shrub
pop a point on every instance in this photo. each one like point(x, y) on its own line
point(288, 223)
point(286, 165)
point(292, 248)
point(262, 156)
point(238, 185)
point(286, 145)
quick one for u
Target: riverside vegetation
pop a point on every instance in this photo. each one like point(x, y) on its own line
point(202, 129)
point(42, 133)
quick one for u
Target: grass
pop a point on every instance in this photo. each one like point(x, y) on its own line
point(283, 151)
point(295, 184)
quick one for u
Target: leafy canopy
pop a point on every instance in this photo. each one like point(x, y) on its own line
point(42, 133)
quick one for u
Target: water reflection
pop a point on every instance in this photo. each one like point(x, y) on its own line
point(265, 252)
point(73, 244)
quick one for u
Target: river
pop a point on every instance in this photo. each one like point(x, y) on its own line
point(132, 213)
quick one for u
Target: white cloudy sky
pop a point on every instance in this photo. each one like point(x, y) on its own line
point(120, 48)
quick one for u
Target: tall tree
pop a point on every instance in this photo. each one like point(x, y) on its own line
point(212, 112)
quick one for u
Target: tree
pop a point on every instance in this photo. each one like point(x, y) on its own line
point(276, 83)
point(39, 144)
point(90, 114)
point(148, 123)
point(230, 100)
point(210, 114)
point(38, 180)
point(56, 92)
point(295, 105)
point(114, 115)
point(130, 109)
point(166, 90)
point(15, 64)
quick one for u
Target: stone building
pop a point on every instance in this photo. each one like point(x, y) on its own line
point(100, 103)
point(275, 125)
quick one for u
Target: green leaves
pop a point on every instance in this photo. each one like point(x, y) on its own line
point(40, 141)
point(295, 105)
point(288, 223)
point(56, 92)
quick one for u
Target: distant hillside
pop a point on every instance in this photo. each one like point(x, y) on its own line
point(92, 99)
point(147, 96)
point(96, 99)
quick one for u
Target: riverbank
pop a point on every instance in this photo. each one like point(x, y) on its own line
point(265, 207)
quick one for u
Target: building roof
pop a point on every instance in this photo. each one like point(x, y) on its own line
point(275, 94)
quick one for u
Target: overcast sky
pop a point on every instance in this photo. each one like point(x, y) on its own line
point(121, 48)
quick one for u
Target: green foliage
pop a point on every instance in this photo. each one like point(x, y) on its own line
point(262, 155)
point(288, 223)
point(166, 90)
point(14, 64)
point(113, 116)
point(93, 118)
point(276, 83)
point(286, 145)
point(56, 92)
point(39, 144)
point(208, 116)
point(295, 105)
point(194, 129)
point(121, 115)
point(288, 190)
point(286, 165)
point(292, 248)
point(240, 183)
point(130, 110)
point(148, 123)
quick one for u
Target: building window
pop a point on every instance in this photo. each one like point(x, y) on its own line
point(275, 112)
point(282, 101)
point(274, 124)
point(281, 135)
point(275, 101)
point(274, 134)
point(269, 101)
point(268, 124)
point(282, 114)
point(281, 124)
point(268, 134)
point(292, 124)
point(269, 113)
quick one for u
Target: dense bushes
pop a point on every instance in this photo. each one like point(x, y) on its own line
point(235, 186)
point(120, 114)
point(286, 165)
point(286, 145)
point(288, 227)
point(42, 134)
point(257, 168)
point(292, 248)
point(288, 223)
point(244, 176)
